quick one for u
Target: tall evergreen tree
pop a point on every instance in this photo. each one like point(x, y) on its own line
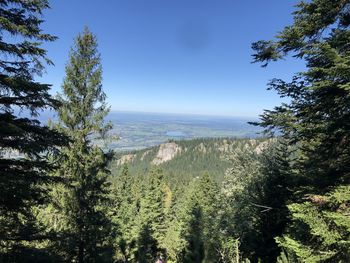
point(255, 193)
point(84, 164)
point(317, 121)
point(194, 251)
point(123, 212)
point(207, 195)
point(147, 245)
point(276, 187)
point(191, 229)
point(151, 218)
point(24, 141)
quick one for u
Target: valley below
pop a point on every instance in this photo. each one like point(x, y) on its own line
point(135, 131)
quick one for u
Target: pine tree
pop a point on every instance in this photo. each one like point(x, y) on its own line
point(123, 213)
point(191, 229)
point(24, 141)
point(147, 245)
point(317, 121)
point(241, 189)
point(255, 193)
point(207, 194)
point(151, 218)
point(84, 164)
point(276, 185)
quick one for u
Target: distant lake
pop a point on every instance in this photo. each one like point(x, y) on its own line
point(142, 130)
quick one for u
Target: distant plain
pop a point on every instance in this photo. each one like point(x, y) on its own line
point(142, 130)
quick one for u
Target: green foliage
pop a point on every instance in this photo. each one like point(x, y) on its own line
point(285, 258)
point(202, 217)
point(283, 199)
point(196, 157)
point(124, 208)
point(208, 194)
point(316, 121)
point(152, 210)
point(193, 235)
point(255, 192)
point(178, 223)
point(229, 251)
point(324, 223)
point(139, 212)
point(146, 245)
point(25, 143)
point(86, 231)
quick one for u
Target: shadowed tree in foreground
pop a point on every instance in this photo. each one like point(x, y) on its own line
point(317, 121)
point(24, 141)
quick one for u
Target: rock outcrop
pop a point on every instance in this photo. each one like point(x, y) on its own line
point(166, 152)
point(126, 159)
point(145, 154)
point(201, 148)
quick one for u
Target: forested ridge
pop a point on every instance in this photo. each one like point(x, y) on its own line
point(281, 198)
point(183, 160)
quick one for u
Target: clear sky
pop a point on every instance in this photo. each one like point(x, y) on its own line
point(175, 56)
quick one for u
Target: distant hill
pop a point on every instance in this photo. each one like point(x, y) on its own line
point(186, 159)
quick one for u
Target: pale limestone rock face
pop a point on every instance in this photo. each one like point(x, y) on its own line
point(126, 159)
point(145, 154)
point(166, 152)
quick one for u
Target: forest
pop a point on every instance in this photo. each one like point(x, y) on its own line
point(65, 199)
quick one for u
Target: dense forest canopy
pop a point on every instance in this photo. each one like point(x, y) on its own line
point(282, 198)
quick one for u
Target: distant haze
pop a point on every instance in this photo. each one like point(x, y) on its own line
point(139, 130)
point(142, 130)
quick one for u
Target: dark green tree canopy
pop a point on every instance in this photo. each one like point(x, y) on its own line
point(24, 141)
point(83, 100)
point(316, 121)
point(318, 115)
point(314, 22)
point(82, 163)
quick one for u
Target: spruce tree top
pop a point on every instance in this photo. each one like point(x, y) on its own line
point(84, 106)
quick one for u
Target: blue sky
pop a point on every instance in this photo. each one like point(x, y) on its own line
point(175, 56)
